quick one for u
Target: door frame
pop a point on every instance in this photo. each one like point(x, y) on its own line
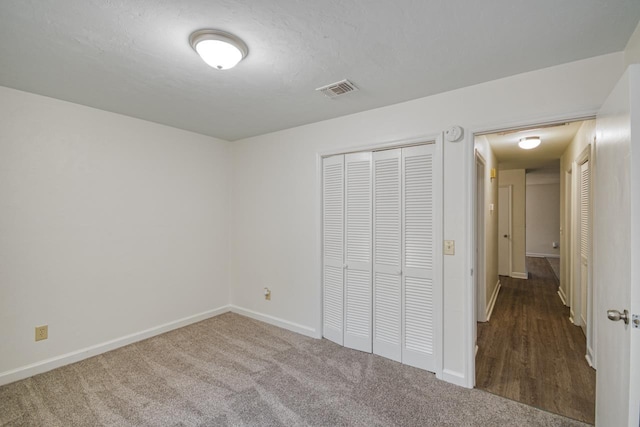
point(438, 271)
point(469, 297)
point(566, 244)
point(480, 240)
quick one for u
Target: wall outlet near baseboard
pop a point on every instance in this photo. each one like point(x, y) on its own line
point(42, 332)
point(267, 294)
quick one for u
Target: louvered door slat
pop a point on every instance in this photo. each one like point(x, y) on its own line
point(584, 211)
point(387, 285)
point(358, 236)
point(333, 248)
point(419, 305)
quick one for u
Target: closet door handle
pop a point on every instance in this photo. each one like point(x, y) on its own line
point(399, 272)
point(345, 266)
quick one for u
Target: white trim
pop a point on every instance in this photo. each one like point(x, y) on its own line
point(562, 296)
point(94, 350)
point(319, 252)
point(377, 146)
point(589, 358)
point(519, 275)
point(539, 255)
point(276, 321)
point(457, 378)
point(479, 266)
point(494, 298)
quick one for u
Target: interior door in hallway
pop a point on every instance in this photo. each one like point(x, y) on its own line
point(616, 268)
point(504, 230)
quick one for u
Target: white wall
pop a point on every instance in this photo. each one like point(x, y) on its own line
point(516, 178)
point(109, 226)
point(632, 51)
point(275, 189)
point(543, 213)
point(491, 218)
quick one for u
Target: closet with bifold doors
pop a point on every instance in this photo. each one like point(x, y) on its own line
point(381, 228)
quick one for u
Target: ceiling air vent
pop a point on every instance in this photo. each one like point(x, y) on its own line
point(336, 89)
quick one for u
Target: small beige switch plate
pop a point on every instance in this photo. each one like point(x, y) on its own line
point(449, 247)
point(267, 294)
point(42, 332)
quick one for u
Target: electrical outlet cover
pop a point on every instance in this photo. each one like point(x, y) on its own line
point(42, 332)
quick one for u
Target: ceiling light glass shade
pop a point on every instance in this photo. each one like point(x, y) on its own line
point(529, 142)
point(218, 49)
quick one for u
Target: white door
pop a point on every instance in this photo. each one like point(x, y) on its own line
point(333, 248)
point(616, 252)
point(358, 232)
point(504, 231)
point(387, 262)
point(420, 281)
point(584, 225)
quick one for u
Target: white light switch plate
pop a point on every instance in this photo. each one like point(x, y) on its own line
point(449, 247)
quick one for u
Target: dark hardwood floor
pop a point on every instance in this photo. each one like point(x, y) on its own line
point(529, 351)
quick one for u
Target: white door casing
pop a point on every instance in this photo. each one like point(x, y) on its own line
point(616, 247)
point(504, 230)
point(480, 245)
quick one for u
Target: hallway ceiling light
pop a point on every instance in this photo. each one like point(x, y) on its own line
point(218, 49)
point(529, 142)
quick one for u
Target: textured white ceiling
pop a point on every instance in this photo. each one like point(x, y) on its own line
point(133, 56)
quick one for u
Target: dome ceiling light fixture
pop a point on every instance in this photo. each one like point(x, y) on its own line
point(529, 142)
point(219, 49)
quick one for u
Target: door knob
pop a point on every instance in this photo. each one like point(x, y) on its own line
point(505, 236)
point(615, 315)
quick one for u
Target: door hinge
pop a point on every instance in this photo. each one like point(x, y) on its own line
point(472, 271)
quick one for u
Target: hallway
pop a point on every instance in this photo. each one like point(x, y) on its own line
point(530, 352)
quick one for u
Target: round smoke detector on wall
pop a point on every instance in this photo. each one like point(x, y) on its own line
point(454, 134)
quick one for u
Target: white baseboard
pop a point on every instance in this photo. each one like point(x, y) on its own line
point(518, 275)
point(454, 377)
point(94, 350)
point(562, 296)
point(571, 316)
point(541, 255)
point(492, 301)
point(589, 357)
point(276, 321)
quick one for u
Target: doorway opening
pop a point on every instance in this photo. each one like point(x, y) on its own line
point(534, 342)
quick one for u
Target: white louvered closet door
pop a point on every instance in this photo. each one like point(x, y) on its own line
point(387, 263)
point(584, 212)
point(333, 248)
point(358, 265)
point(420, 292)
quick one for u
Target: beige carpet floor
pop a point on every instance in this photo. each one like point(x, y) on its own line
point(231, 370)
